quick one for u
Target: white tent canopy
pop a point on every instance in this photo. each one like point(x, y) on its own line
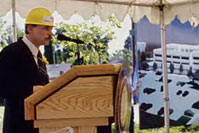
point(185, 10)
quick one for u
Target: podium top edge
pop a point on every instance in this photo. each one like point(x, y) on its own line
point(101, 69)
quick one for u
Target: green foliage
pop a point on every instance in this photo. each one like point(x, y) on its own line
point(179, 129)
point(6, 34)
point(94, 50)
point(20, 33)
point(124, 54)
point(117, 55)
point(114, 22)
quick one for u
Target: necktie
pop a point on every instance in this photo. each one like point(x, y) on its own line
point(41, 64)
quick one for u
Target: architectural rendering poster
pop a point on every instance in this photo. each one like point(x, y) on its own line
point(183, 74)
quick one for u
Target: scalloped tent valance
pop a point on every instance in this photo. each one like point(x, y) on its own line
point(185, 10)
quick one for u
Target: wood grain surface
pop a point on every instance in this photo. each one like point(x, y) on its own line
point(83, 70)
point(65, 130)
point(101, 69)
point(60, 123)
point(85, 97)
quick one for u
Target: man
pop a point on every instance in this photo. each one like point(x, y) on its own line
point(22, 71)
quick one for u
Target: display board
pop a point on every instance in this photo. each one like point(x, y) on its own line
point(183, 75)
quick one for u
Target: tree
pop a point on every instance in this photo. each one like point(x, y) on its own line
point(145, 65)
point(190, 74)
point(124, 54)
point(155, 66)
point(171, 67)
point(94, 39)
point(196, 75)
point(143, 56)
point(6, 34)
point(117, 55)
point(181, 68)
point(48, 53)
point(128, 43)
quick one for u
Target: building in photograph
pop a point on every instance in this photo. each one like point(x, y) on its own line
point(183, 55)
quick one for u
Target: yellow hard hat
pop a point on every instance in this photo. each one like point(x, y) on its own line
point(40, 16)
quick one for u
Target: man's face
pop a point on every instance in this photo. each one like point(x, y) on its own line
point(40, 34)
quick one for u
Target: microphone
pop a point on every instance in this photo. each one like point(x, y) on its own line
point(62, 37)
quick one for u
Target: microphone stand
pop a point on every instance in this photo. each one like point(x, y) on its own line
point(78, 55)
point(62, 37)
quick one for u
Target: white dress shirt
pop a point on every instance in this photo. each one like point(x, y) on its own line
point(32, 48)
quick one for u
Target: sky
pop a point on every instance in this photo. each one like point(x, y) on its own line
point(176, 32)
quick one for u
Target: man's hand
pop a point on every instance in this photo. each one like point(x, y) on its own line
point(37, 87)
point(135, 92)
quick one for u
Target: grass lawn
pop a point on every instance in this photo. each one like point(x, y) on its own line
point(1, 111)
point(1, 117)
point(180, 129)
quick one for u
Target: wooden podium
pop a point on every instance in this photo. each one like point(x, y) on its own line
point(81, 98)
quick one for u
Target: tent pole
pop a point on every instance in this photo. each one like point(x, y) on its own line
point(133, 32)
point(14, 21)
point(165, 73)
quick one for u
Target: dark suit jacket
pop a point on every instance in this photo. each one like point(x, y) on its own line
point(18, 74)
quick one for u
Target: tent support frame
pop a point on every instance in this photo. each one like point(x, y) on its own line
point(164, 68)
point(14, 21)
